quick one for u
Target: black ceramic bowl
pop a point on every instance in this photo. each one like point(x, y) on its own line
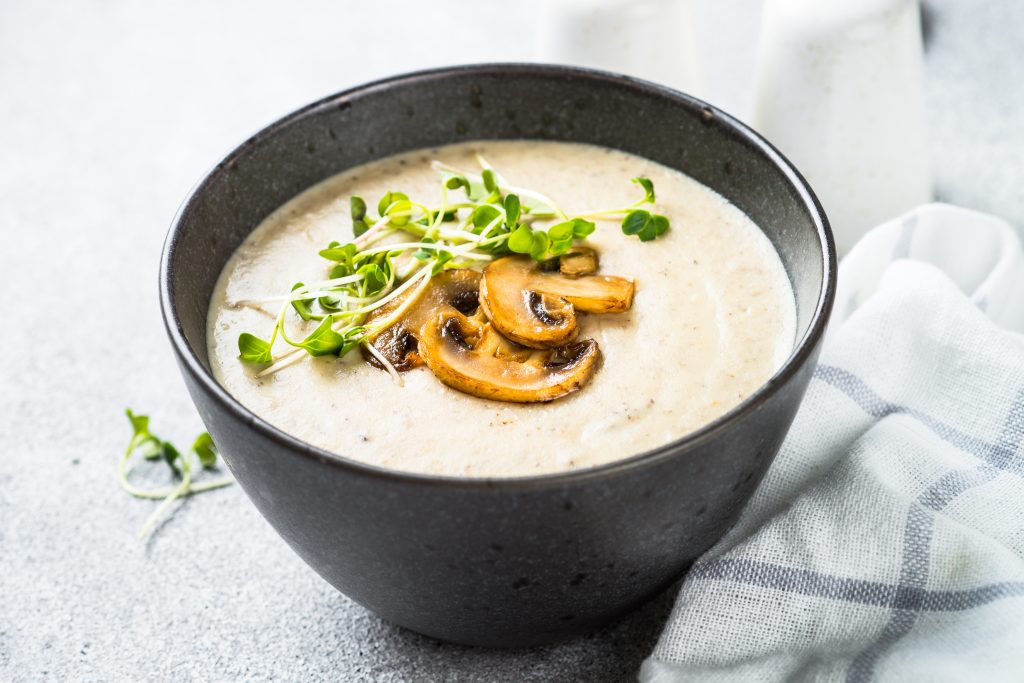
point(518, 561)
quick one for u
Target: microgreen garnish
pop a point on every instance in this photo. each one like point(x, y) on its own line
point(152, 447)
point(358, 209)
point(401, 248)
point(253, 349)
point(644, 224)
point(648, 188)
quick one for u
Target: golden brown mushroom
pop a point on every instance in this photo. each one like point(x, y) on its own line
point(470, 355)
point(398, 343)
point(538, 309)
point(578, 261)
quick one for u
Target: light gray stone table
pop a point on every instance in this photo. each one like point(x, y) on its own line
point(108, 113)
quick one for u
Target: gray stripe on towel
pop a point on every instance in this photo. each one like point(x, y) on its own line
point(874, 593)
point(1000, 454)
point(917, 540)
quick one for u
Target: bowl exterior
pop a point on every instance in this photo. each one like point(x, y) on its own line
point(499, 562)
point(499, 567)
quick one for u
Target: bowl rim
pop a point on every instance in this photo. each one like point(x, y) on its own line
point(800, 355)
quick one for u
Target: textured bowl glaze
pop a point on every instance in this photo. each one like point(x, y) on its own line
point(518, 561)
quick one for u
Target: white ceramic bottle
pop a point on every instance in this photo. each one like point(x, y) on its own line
point(651, 39)
point(840, 91)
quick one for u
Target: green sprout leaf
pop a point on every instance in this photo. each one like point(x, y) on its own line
point(150, 446)
point(388, 200)
point(484, 215)
point(302, 306)
point(448, 217)
point(171, 456)
point(142, 441)
point(635, 221)
point(521, 240)
point(475, 192)
point(442, 258)
point(512, 209)
point(423, 254)
point(581, 229)
point(393, 203)
point(150, 449)
point(329, 303)
point(205, 449)
point(253, 349)
point(323, 340)
point(644, 225)
point(454, 181)
point(342, 253)
point(525, 240)
point(541, 242)
point(561, 231)
point(374, 278)
point(358, 209)
point(490, 182)
point(353, 338)
point(140, 424)
point(648, 188)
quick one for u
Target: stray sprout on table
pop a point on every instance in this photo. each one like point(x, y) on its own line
point(494, 219)
point(152, 447)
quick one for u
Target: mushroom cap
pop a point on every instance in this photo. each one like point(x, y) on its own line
point(538, 309)
point(470, 355)
point(399, 342)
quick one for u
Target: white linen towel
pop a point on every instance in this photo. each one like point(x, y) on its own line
point(886, 541)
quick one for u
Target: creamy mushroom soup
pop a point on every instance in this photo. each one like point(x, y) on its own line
point(679, 330)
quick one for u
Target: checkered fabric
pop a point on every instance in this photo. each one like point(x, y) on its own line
point(887, 540)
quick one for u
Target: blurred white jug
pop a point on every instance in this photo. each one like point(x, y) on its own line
point(651, 39)
point(840, 91)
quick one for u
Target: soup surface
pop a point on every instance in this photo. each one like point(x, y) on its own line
point(712, 319)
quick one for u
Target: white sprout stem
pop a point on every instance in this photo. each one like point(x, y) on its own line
point(612, 212)
point(543, 199)
point(400, 311)
point(439, 216)
point(430, 246)
point(487, 167)
point(299, 293)
point(372, 234)
point(122, 478)
point(279, 327)
point(162, 492)
point(282, 362)
point(509, 189)
point(604, 215)
point(291, 356)
point(393, 295)
point(461, 234)
point(386, 363)
point(407, 267)
point(210, 485)
point(161, 509)
point(490, 226)
point(334, 294)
